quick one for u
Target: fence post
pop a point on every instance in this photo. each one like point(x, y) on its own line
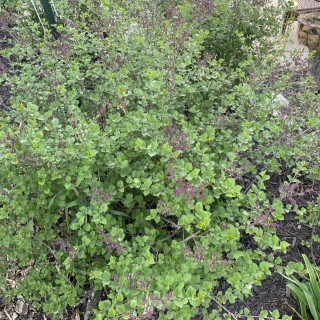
point(50, 16)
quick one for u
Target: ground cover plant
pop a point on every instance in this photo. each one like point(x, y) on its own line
point(135, 161)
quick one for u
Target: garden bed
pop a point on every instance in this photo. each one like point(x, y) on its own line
point(271, 295)
point(60, 251)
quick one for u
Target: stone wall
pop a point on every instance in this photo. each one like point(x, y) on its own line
point(309, 30)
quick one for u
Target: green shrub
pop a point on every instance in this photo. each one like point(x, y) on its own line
point(124, 167)
point(142, 208)
point(241, 28)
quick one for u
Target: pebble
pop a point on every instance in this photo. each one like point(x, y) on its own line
point(280, 99)
point(21, 307)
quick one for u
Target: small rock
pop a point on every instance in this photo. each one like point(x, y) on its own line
point(281, 100)
point(21, 307)
point(14, 316)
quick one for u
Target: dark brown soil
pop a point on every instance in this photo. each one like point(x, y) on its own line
point(272, 294)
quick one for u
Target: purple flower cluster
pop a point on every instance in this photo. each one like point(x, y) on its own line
point(149, 311)
point(160, 302)
point(32, 160)
point(189, 190)
point(173, 13)
point(111, 244)
point(114, 277)
point(176, 140)
point(63, 46)
point(288, 192)
point(164, 208)
point(6, 19)
point(3, 67)
point(147, 314)
point(98, 195)
point(262, 219)
point(197, 254)
point(61, 245)
point(237, 173)
point(184, 187)
point(221, 262)
point(171, 129)
point(134, 282)
point(202, 10)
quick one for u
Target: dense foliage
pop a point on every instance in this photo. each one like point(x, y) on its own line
point(135, 160)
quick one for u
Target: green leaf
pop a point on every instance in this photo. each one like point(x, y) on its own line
point(314, 176)
point(265, 266)
point(106, 278)
point(51, 202)
point(104, 305)
point(275, 314)
point(146, 185)
point(188, 166)
point(119, 213)
point(140, 143)
point(191, 292)
point(314, 283)
point(263, 314)
point(73, 203)
point(85, 240)
point(133, 303)
point(180, 302)
point(55, 122)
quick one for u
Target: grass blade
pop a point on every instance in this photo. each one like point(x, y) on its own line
point(314, 284)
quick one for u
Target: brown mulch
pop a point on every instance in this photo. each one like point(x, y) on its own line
point(273, 294)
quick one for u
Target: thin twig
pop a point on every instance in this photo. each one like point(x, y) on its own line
point(54, 8)
point(257, 317)
point(224, 308)
point(35, 8)
point(170, 222)
point(190, 237)
point(170, 236)
point(82, 300)
point(250, 184)
point(91, 303)
point(7, 314)
point(147, 297)
point(308, 130)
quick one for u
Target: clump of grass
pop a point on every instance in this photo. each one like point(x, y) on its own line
point(307, 294)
